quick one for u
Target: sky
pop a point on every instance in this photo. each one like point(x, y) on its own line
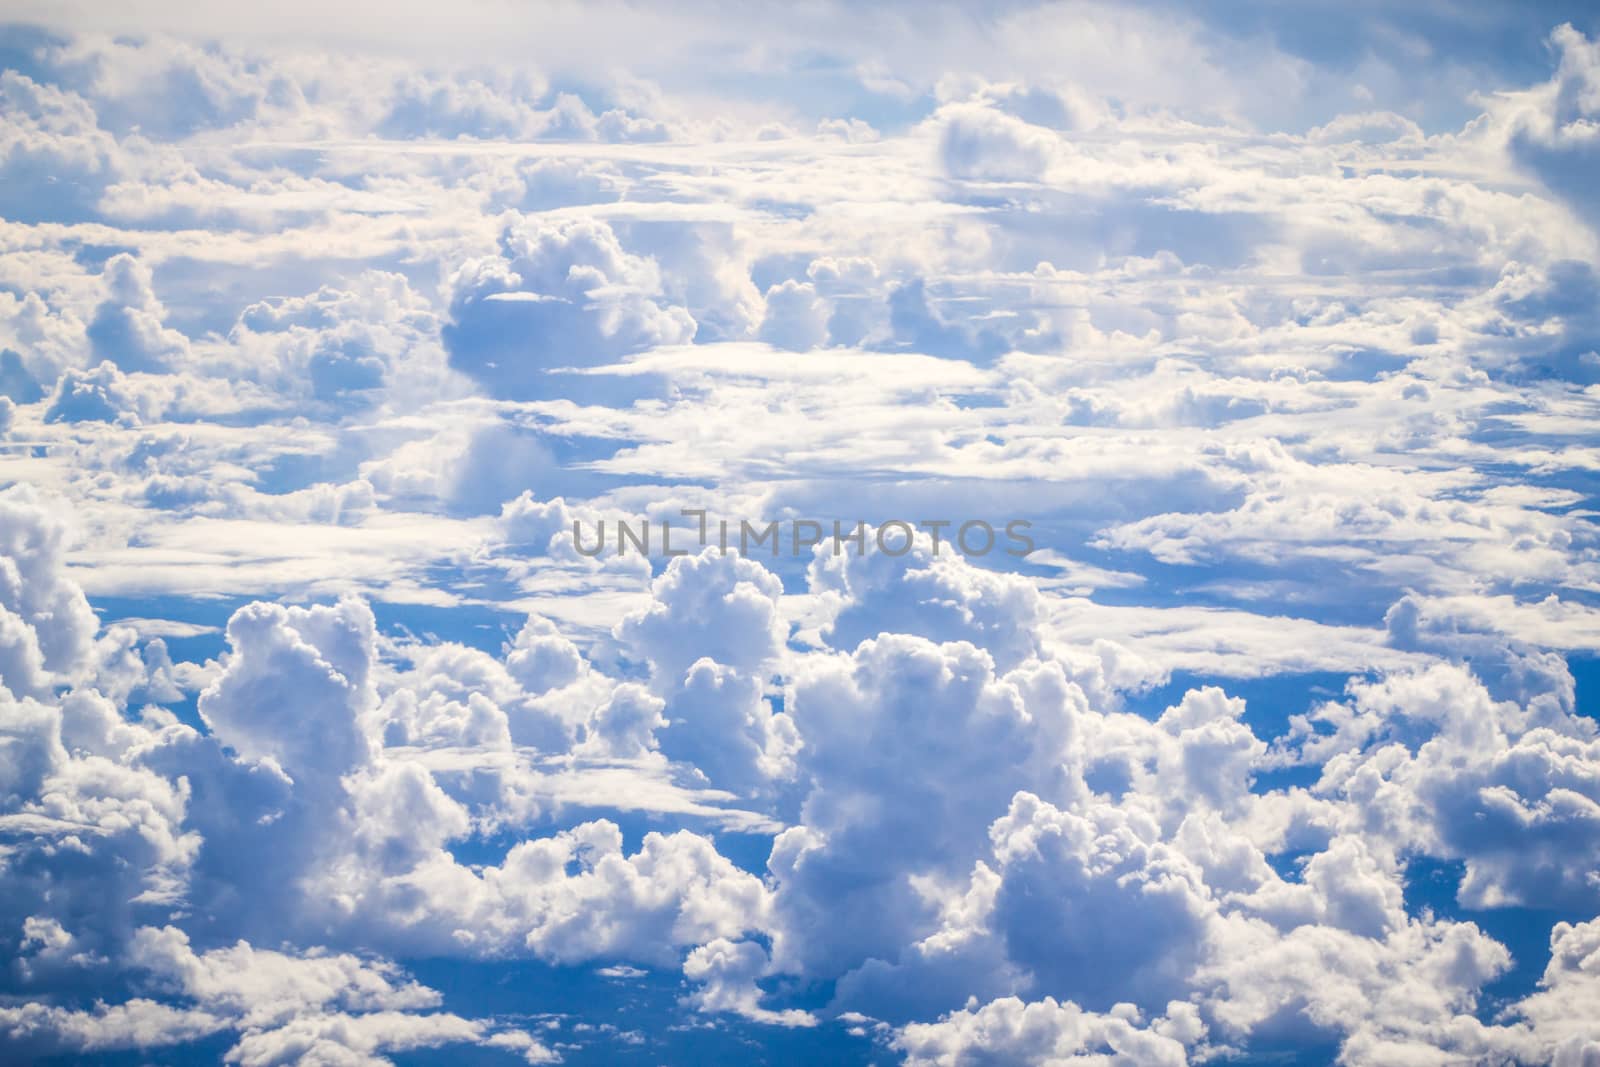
point(1211, 390)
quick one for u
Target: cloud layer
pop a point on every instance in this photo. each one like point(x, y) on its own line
point(322, 726)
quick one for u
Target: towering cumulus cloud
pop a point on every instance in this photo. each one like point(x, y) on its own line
point(1045, 534)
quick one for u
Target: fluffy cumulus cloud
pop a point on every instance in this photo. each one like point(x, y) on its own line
point(127, 328)
point(1058, 535)
point(557, 297)
point(47, 622)
point(312, 1008)
point(343, 346)
point(1552, 126)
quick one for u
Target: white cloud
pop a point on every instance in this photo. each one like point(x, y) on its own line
point(597, 300)
point(365, 336)
point(46, 621)
point(1551, 128)
point(127, 326)
point(726, 974)
point(1047, 1031)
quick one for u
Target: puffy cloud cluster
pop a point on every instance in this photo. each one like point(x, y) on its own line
point(982, 143)
point(116, 819)
point(1437, 766)
point(340, 346)
point(53, 153)
point(518, 107)
point(556, 297)
point(1278, 741)
point(714, 637)
point(969, 824)
point(46, 623)
point(311, 1008)
point(127, 326)
point(1552, 129)
point(1046, 1031)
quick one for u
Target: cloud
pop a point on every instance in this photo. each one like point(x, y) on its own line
point(1509, 792)
point(1552, 127)
point(138, 1023)
point(1047, 1031)
point(1091, 905)
point(795, 317)
point(99, 395)
point(312, 1008)
point(262, 988)
point(127, 326)
point(294, 688)
point(722, 607)
point(927, 590)
point(344, 346)
point(726, 974)
point(50, 143)
point(982, 143)
point(896, 822)
point(557, 296)
point(1556, 1011)
point(47, 622)
point(312, 355)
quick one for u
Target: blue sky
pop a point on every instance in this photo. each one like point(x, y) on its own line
point(330, 336)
